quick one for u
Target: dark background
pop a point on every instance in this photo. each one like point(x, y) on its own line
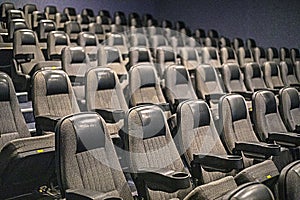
point(270, 22)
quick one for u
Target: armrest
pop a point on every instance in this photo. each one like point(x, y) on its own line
point(46, 123)
point(23, 58)
point(110, 115)
point(278, 87)
point(285, 139)
point(222, 163)
point(164, 106)
point(246, 94)
point(215, 96)
point(45, 65)
point(164, 179)
point(82, 194)
point(257, 149)
point(176, 103)
point(295, 85)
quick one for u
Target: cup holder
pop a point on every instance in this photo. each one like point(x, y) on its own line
point(180, 175)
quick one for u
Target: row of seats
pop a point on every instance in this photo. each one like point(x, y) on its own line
point(78, 134)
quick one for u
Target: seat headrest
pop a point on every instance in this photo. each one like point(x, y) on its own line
point(112, 55)
point(16, 14)
point(169, 55)
point(256, 70)
point(106, 79)
point(56, 82)
point(74, 27)
point(143, 56)
point(147, 76)
point(181, 75)
point(212, 53)
point(294, 98)
point(60, 39)
point(201, 113)
point(270, 102)
point(230, 53)
point(290, 67)
point(48, 25)
point(90, 132)
point(4, 89)
point(234, 71)
point(28, 38)
point(238, 107)
point(77, 55)
point(247, 53)
point(90, 39)
point(274, 69)
point(192, 55)
point(117, 40)
point(153, 122)
point(262, 52)
point(275, 52)
point(209, 73)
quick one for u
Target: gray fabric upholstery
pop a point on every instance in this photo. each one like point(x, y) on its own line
point(211, 56)
point(72, 28)
point(89, 42)
point(97, 29)
point(14, 25)
point(139, 55)
point(189, 58)
point(58, 105)
point(237, 43)
point(155, 152)
point(13, 125)
point(165, 56)
point(244, 56)
point(111, 98)
point(26, 42)
point(139, 40)
point(233, 78)
point(289, 106)
point(60, 20)
point(288, 73)
point(36, 17)
point(254, 77)
point(56, 41)
point(259, 55)
point(50, 12)
point(118, 40)
point(95, 168)
point(295, 55)
point(285, 54)
point(28, 9)
point(44, 28)
point(273, 55)
point(178, 84)
point(228, 55)
point(71, 13)
point(272, 75)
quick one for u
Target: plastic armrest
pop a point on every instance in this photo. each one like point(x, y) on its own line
point(246, 94)
point(46, 123)
point(82, 194)
point(164, 179)
point(285, 139)
point(295, 85)
point(24, 58)
point(215, 96)
point(257, 149)
point(110, 115)
point(221, 163)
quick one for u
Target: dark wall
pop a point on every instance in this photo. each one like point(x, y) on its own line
point(270, 22)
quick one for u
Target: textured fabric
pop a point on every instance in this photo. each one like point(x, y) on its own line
point(228, 55)
point(91, 169)
point(233, 83)
point(272, 75)
point(259, 55)
point(207, 53)
point(189, 58)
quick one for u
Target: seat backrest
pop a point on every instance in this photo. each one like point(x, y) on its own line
point(105, 13)
point(213, 33)
point(259, 55)
point(228, 55)
point(165, 56)
point(53, 94)
point(60, 20)
point(158, 41)
point(75, 61)
point(139, 40)
point(103, 90)
point(244, 56)
point(36, 17)
point(272, 75)
point(72, 28)
point(28, 9)
point(289, 107)
point(118, 40)
point(4, 7)
point(149, 139)
point(266, 116)
point(89, 13)
point(189, 58)
point(71, 13)
point(224, 42)
point(234, 122)
point(89, 42)
point(233, 78)
point(139, 55)
point(144, 85)
point(273, 55)
point(14, 14)
point(83, 144)
point(197, 134)
point(84, 21)
point(295, 54)
point(250, 42)
point(237, 43)
point(56, 41)
point(50, 12)
point(97, 29)
point(288, 74)
point(13, 125)
point(285, 54)
point(207, 81)
point(211, 56)
point(211, 42)
point(178, 84)
point(14, 25)
point(254, 77)
point(26, 42)
point(44, 28)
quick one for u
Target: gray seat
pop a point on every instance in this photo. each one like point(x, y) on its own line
point(251, 43)
point(237, 43)
point(189, 58)
point(72, 28)
point(87, 164)
point(272, 75)
point(289, 107)
point(105, 96)
point(84, 22)
point(244, 56)
point(71, 13)
point(165, 56)
point(28, 9)
point(44, 28)
point(56, 41)
point(224, 42)
point(36, 17)
point(228, 55)
point(211, 42)
point(288, 74)
point(97, 29)
point(156, 41)
point(178, 86)
point(118, 40)
point(295, 55)
point(14, 25)
point(254, 77)
point(89, 13)
point(138, 40)
point(285, 54)
point(89, 42)
point(50, 12)
point(52, 98)
point(273, 55)
point(211, 56)
point(60, 20)
point(139, 55)
point(26, 162)
point(105, 23)
point(259, 55)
